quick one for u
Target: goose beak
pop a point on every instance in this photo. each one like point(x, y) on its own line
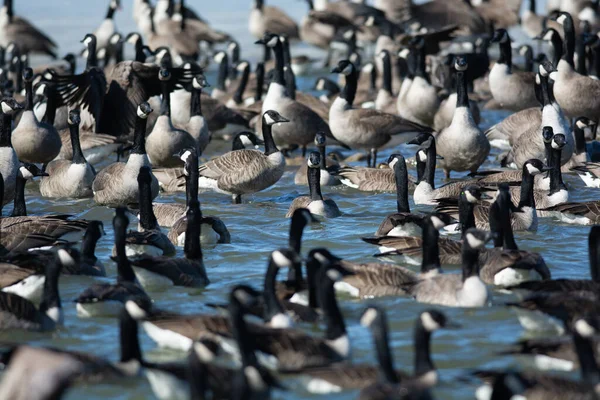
point(282, 119)
point(336, 70)
point(438, 157)
point(259, 42)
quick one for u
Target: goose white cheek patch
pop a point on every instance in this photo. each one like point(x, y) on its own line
point(474, 242)
point(281, 260)
point(368, 317)
point(429, 323)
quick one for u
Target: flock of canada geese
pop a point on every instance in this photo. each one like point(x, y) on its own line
point(394, 75)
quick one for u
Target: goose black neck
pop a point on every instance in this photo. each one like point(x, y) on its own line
point(556, 182)
point(496, 223)
point(420, 66)
point(239, 92)
point(569, 42)
point(270, 146)
point(557, 45)
point(401, 177)
point(422, 343)
point(5, 130)
point(470, 262)
point(532, 6)
point(260, 80)
point(466, 217)
point(266, 54)
point(579, 135)
point(290, 82)
point(78, 157)
point(322, 152)
point(505, 54)
point(19, 209)
point(9, 8)
point(312, 273)
point(51, 106)
point(431, 249)
point(223, 71)
point(509, 242)
point(28, 95)
point(139, 136)
point(50, 296)
point(196, 102)
point(165, 104)
point(372, 80)
point(387, 74)
point(88, 244)
point(140, 56)
point(92, 59)
point(429, 172)
point(118, 52)
point(191, 182)
point(124, 270)
point(197, 377)
point(581, 57)
point(192, 247)
point(527, 199)
point(272, 305)
point(385, 360)
point(111, 12)
point(287, 57)
point(349, 90)
point(462, 96)
point(128, 334)
point(504, 233)
point(295, 243)
point(241, 334)
point(528, 62)
point(147, 217)
point(1, 193)
point(594, 253)
point(279, 64)
point(314, 183)
point(334, 321)
point(585, 350)
point(545, 86)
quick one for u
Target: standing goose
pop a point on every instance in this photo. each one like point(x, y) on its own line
point(17, 30)
point(107, 299)
point(117, 183)
point(107, 28)
point(385, 100)
point(72, 179)
point(513, 90)
point(149, 239)
point(362, 128)
point(19, 313)
point(304, 121)
point(165, 140)
point(160, 272)
point(264, 19)
point(315, 202)
point(246, 171)
point(33, 141)
point(197, 125)
point(9, 162)
point(327, 179)
point(462, 145)
point(454, 290)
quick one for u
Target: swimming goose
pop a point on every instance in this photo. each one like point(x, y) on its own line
point(66, 178)
point(315, 202)
point(567, 82)
point(362, 128)
point(107, 299)
point(165, 140)
point(454, 290)
point(34, 142)
point(420, 101)
point(9, 162)
point(117, 183)
point(149, 239)
point(372, 179)
point(25, 36)
point(462, 145)
point(246, 171)
point(513, 90)
point(270, 19)
point(402, 222)
point(305, 122)
point(326, 179)
point(107, 28)
point(19, 313)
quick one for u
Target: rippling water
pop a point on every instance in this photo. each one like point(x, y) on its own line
point(258, 226)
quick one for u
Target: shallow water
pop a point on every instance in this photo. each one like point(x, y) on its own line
point(258, 227)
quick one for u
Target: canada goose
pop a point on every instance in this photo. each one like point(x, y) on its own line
point(219, 92)
point(305, 122)
point(420, 102)
point(149, 239)
point(315, 32)
point(466, 290)
point(246, 171)
point(362, 128)
point(326, 178)
point(33, 141)
point(462, 145)
point(567, 82)
point(370, 179)
point(402, 222)
point(513, 90)
point(18, 30)
point(102, 299)
point(315, 202)
point(19, 313)
point(271, 19)
point(165, 140)
point(69, 178)
point(9, 162)
point(117, 183)
point(385, 100)
point(506, 132)
point(582, 128)
point(107, 28)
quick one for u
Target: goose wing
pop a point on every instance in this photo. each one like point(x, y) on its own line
point(110, 292)
point(108, 177)
point(218, 115)
point(167, 214)
point(18, 306)
point(152, 237)
point(390, 124)
point(234, 162)
point(344, 375)
point(28, 38)
point(375, 279)
point(181, 271)
point(495, 260)
point(558, 285)
point(393, 220)
point(589, 167)
point(279, 22)
point(192, 326)
point(439, 289)
point(368, 179)
point(511, 127)
point(564, 306)
point(590, 209)
point(25, 241)
point(11, 274)
point(299, 202)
